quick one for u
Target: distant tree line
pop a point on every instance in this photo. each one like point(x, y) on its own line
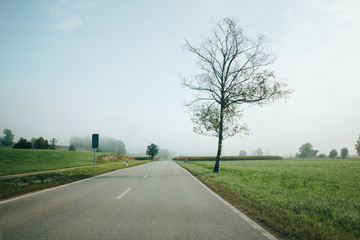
point(106, 144)
point(306, 151)
point(258, 152)
point(34, 143)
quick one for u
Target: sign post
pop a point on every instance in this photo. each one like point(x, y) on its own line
point(95, 145)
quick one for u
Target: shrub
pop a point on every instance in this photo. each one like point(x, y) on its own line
point(142, 158)
point(72, 148)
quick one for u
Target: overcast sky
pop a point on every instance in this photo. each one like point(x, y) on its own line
point(113, 68)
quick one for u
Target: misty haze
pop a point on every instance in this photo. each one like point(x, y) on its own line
point(258, 100)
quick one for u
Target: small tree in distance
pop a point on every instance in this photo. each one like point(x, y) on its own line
point(344, 152)
point(333, 154)
point(152, 150)
point(259, 152)
point(7, 140)
point(357, 146)
point(53, 141)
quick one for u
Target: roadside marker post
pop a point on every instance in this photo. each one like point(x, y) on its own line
point(127, 162)
point(95, 145)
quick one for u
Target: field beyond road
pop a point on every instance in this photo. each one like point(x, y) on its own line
point(300, 199)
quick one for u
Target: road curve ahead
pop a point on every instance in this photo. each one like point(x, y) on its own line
point(158, 200)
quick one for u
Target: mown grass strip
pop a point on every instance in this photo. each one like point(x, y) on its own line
point(17, 186)
point(296, 199)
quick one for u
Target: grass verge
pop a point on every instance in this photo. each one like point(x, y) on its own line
point(295, 199)
point(16, 161)
point(17, 186)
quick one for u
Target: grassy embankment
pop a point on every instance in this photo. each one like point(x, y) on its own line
point(14, 161)
point(297, 199)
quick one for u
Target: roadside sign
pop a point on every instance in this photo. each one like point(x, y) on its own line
point(95, 144)
point(95, 141)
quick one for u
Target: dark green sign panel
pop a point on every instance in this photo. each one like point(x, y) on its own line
point(95, 141)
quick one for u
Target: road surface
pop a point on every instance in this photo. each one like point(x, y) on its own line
point(159, 200)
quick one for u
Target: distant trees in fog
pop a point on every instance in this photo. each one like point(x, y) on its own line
point(306, 151)
point(259, 152)
point(243, 153)
point(36, 143)
point(106, 144)
point(164, 153)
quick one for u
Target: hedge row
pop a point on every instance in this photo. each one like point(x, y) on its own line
point(228, 158)
point(142, 158)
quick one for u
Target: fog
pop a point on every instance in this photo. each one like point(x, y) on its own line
point(73, 68)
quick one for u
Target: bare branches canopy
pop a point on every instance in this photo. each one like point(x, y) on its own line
point(234, 70)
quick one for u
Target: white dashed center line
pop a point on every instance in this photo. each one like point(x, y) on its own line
point(123, 194)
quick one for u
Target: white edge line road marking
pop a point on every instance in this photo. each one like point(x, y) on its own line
point(50, 189)
point(145, 176)
point(235, 210)
point(123, 194)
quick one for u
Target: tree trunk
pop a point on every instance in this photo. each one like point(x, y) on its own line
point(218, 155)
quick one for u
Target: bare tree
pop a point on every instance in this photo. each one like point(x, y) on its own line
point(234, 71)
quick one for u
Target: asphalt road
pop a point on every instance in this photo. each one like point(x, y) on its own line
point(159, 200)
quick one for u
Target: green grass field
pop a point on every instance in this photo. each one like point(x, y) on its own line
point(297, 199)
point(20, 185)
point(13, 161)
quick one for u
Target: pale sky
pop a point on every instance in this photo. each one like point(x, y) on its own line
point(114, 67)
